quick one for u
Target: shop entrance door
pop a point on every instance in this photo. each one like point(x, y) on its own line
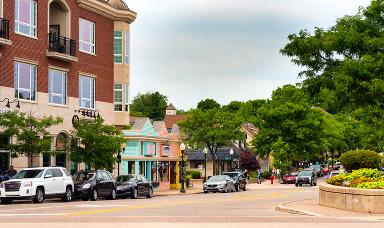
point(172, 169)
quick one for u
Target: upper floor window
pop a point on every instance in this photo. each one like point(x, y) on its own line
point(57, 87)
point(87, 92)
point(127, 97)
point(25, 81)
point(25, 17)
point(87, 36)
point(127, 48)
point(118, 47)
point(118, 97)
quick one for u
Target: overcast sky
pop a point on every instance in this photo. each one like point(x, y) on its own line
point(227, 50)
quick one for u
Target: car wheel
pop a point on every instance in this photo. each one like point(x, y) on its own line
point(113, 194)
point(150, 193)
point(94, 195)
point(134, 194)
point(205, 192)
point(245, 188)
point(68, 195)
point(237, 187)
point(39, 197)
point(315, 183)
point(297, 185)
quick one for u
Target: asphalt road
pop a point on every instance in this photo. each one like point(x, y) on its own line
point(256, 205)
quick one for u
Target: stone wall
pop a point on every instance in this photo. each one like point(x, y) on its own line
point(352, 199)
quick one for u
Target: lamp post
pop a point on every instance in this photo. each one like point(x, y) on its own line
point(231, 153)
point(119, 158)
point(182, 149)
point(205, 165)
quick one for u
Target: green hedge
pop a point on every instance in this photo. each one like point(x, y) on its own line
point(357, 159)
point(266, 174)
point(195, 174)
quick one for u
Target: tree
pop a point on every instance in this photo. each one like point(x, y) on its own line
point(151, 104)
point(208, 104)
point(95, 143)
point(248, 161)
point(30, 133)
point(212, 128)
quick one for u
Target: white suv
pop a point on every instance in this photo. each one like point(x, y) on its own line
point(38, 184)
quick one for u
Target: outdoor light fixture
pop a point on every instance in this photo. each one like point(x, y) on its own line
point(205, 165)
point(8, 105)
point(182, 149)
point(92, 113)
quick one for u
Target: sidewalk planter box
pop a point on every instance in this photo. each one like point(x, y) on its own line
point(155, 186)
point(352, 199)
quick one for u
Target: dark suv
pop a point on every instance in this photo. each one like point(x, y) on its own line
point(91, 184)
point(238, 179)
point(306, 176)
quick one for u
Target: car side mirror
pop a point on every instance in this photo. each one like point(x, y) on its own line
point(48, 176)
point(98, 180)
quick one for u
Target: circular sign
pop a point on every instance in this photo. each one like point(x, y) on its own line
point(75, 121)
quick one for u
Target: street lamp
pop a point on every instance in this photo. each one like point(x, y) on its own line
point(205, 166)
point(231, 153)
point(182, 149)
point(119, 158)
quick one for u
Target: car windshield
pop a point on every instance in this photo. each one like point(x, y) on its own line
point(305, 173)
point(292, 174)
point(83, 176)
point(234, 176)
point(315, 167)
point(30, 173)
point(127, 178)
point(217, 178)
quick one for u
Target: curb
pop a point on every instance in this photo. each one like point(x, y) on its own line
point(283, 208)
point(178, 194)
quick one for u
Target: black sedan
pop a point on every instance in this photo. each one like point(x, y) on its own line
point(238, 179)
point(92, 184)
point(133, 186)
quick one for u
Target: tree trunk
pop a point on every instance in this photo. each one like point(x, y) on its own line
point(30, 161)
point(214, 164)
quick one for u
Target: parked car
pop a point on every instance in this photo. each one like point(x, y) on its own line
point(326, 168)
point(220, 183)
point(318, 170)
point(306, 176)
point(239, 180)
point(133, 186)
point(92, 184)
point(290, 178)
point(38, 184)
point(334, 173)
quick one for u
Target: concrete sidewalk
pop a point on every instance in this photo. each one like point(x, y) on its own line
point(312, 208)
point(188, 191)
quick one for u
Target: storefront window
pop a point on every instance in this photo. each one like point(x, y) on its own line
point(142, 168)
point(163, 168)
point(131, 167)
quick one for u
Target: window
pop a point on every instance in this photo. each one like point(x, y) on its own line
point(25, 17)
point(57, 87)
point(166, 150)
point(118, 97)
point(127, 97)
point(87, 92)
point(163, 168)
point(87, 36)
point(118, 47)
point(57, 173)
point(126, 48)
point(25, 81)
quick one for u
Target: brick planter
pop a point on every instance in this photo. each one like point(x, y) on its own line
point(352, 199)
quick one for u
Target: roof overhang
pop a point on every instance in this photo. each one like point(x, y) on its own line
point(108, 11)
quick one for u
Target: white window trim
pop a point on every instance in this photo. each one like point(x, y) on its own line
point(122, 48)
point(126, 96)
point(122, 97)
point(30, 83)
point(91, 35)
point(65, 97)
point(28, 25)
point(93, 88)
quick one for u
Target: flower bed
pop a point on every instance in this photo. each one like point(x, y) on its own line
point(362, 179)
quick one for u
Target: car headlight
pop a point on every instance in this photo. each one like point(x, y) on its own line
point(221, 185)
point(86, 186)
point(1, 185)
point(27, 184)
point(205, 184)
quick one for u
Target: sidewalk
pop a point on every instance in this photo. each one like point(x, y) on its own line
point(312, 208)
point(188, 191)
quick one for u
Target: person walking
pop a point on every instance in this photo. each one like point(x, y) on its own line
point(278, 173)
point(259, 176)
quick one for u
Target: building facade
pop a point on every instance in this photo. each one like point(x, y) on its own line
point(152, 152)
point(64, 58)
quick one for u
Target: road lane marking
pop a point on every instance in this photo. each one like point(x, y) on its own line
point(18, 215)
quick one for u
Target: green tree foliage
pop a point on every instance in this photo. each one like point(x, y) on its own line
point(343, 68)
point(357, 159)
point(212, 128)
point(152, 105)
point(95, 143)
point(31, 135)
point(208, 104)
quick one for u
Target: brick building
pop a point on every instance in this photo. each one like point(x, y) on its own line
point(60, 56)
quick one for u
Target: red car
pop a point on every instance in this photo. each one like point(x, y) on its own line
point(290, 178)
point(326, 168)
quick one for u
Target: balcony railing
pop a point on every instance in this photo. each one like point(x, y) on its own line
point(61, 45)
point(4, 29)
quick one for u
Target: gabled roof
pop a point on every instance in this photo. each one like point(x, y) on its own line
point(171, 107)
point(139, 123)
point(171, 120)
point(250, 128)
point(160, 128)
point(141, 127)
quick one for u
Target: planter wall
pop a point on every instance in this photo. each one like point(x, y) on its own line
point(352, 199)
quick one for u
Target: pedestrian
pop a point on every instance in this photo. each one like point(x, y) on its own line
point(11, 172)
point(278, 173)
point(259, 176)
point(272, 178)
point(246, 174)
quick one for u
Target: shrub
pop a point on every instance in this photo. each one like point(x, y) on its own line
point(195, 174)
point(367, 173)
point(266, 174)
point(337, 180)
point(371, 185)
point(357, 159)
point(358, 181)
